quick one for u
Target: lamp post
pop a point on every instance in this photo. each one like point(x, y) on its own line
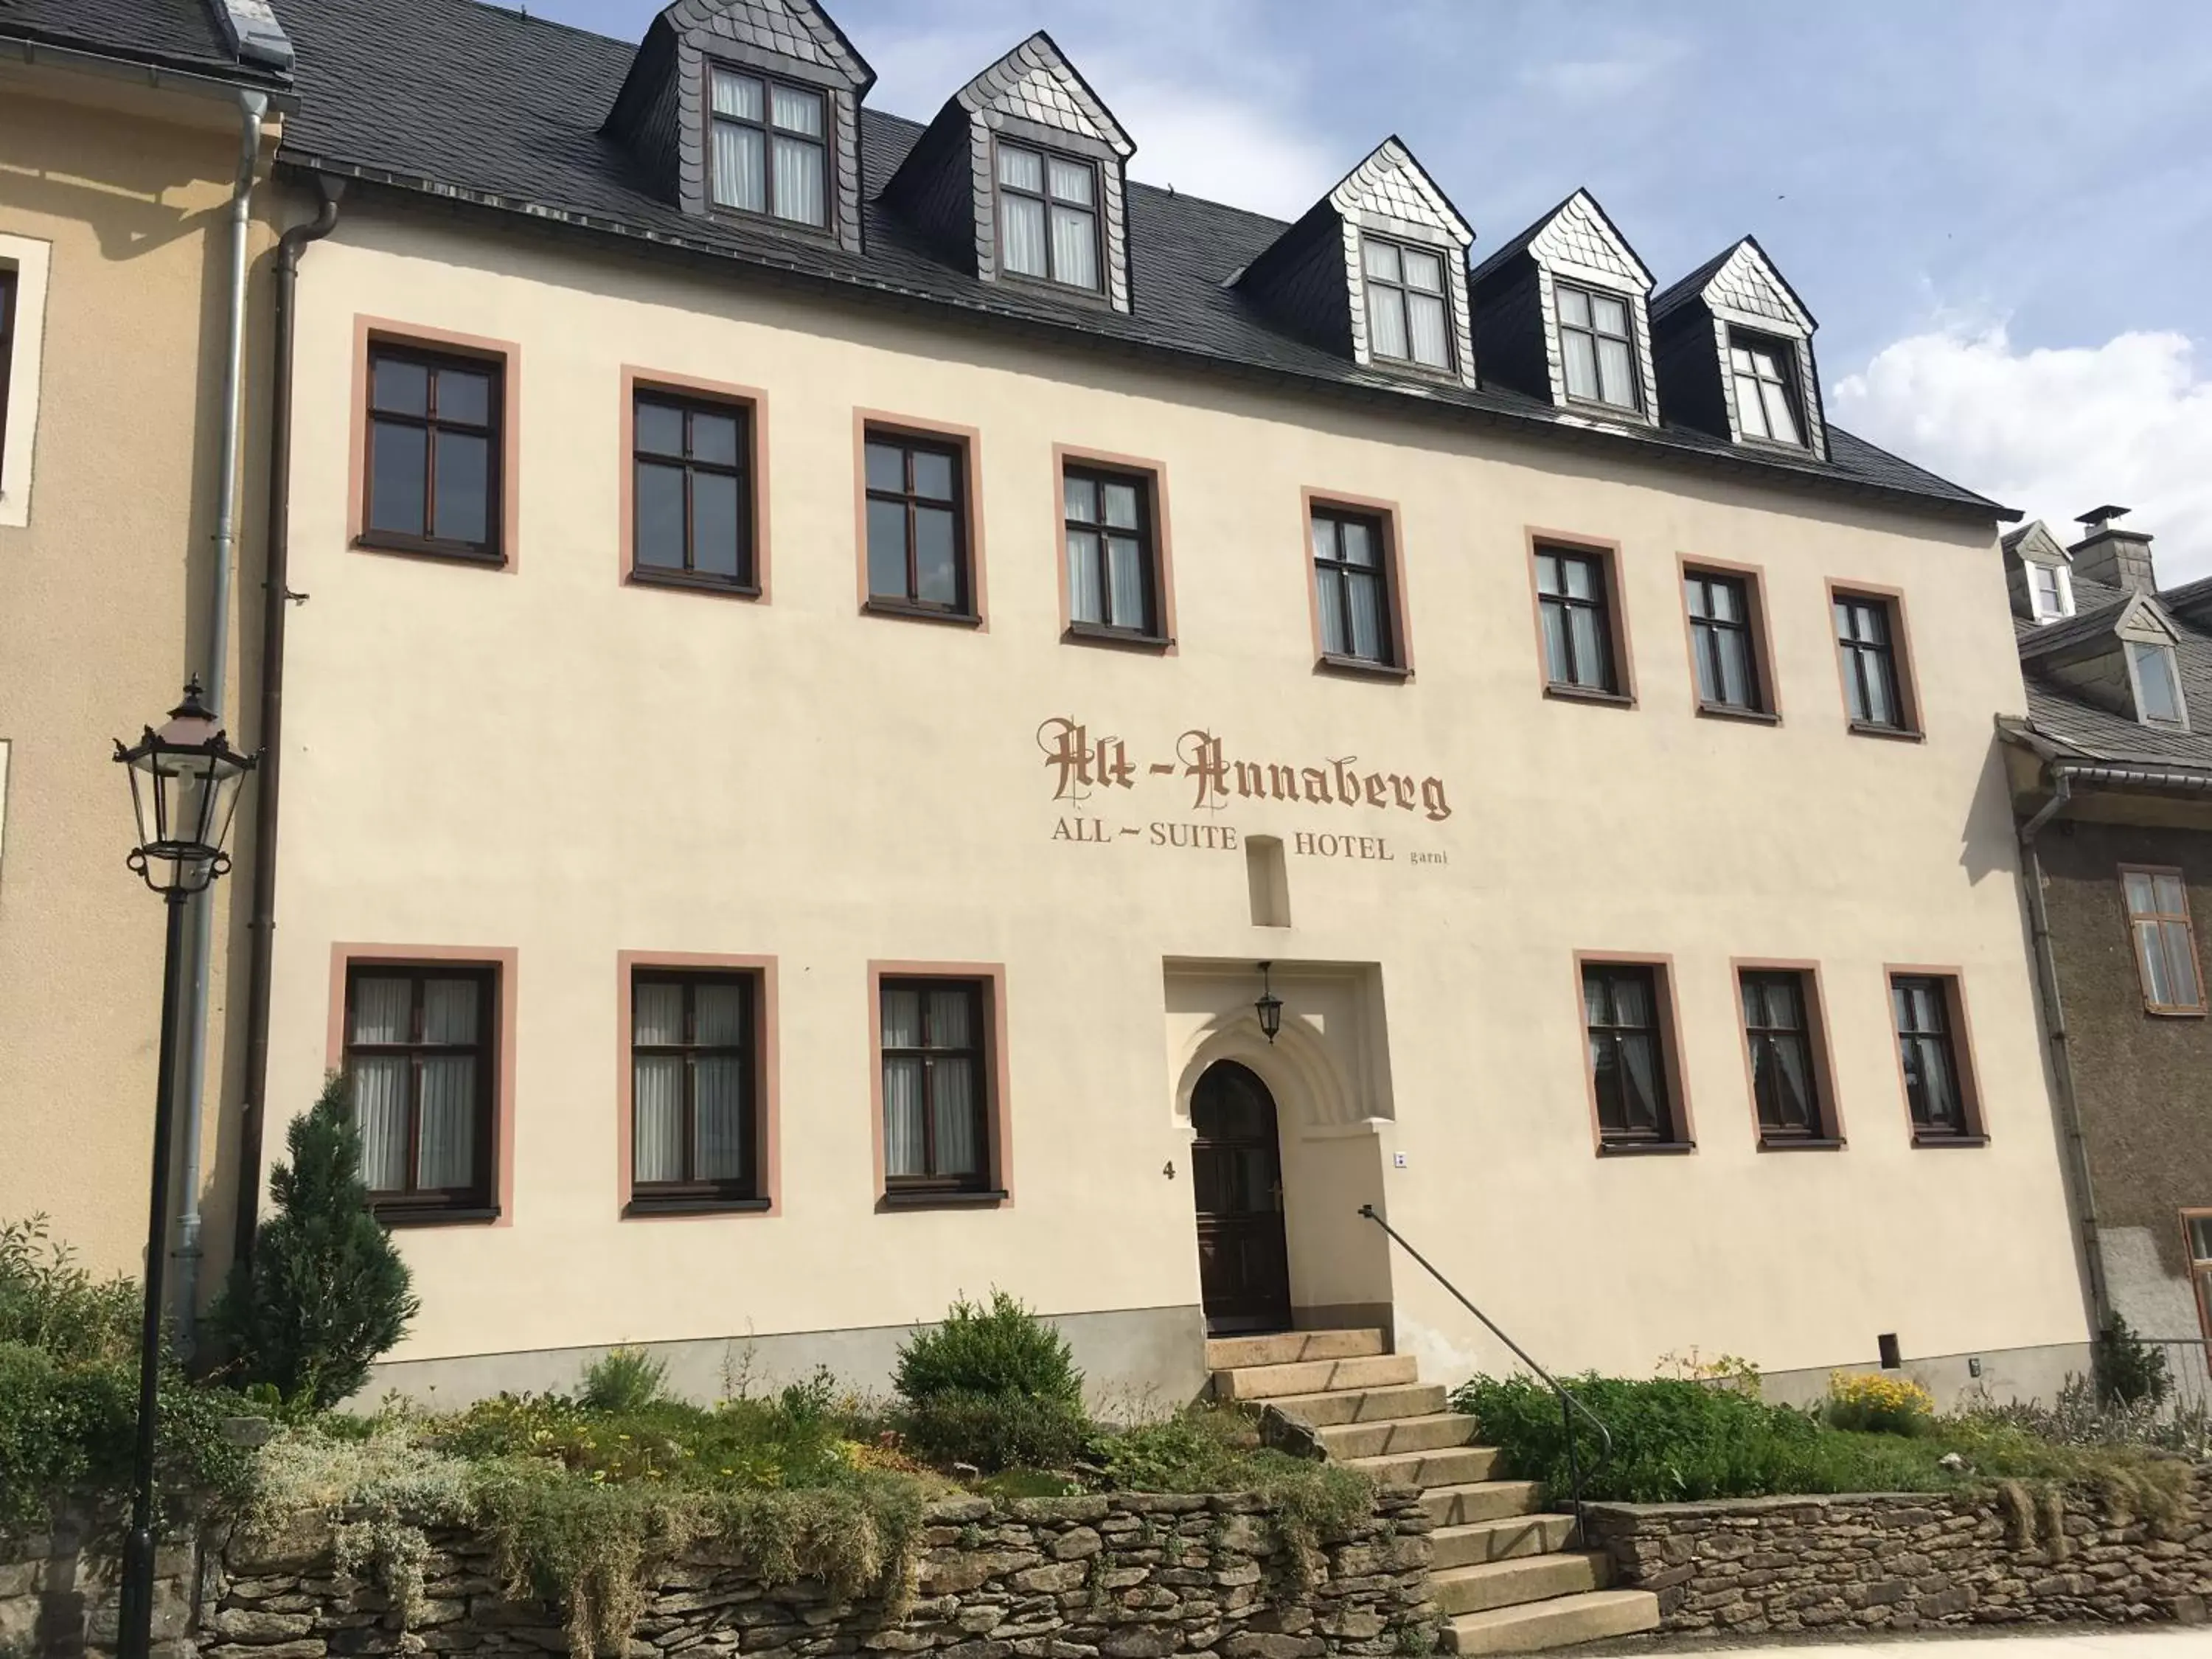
point(183, 787)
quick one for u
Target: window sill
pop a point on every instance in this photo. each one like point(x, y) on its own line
point(1775, 446)
point(1808, 1144)
point(1330, 663)
point(947, 1200)
point(907, 612)
point(374, 541)
point(1894, 733)
point(1597, 409)
point(1644, 1148)
point(1588, 694)
point(648, 576)
point(1724, 711)
point(1046, 288)
point(1443, 374)
point(1127, 639)
point(1932, 1142)
point(433, 1215)
point(2158, 1012)
point(757, 221)
point(638, 1207)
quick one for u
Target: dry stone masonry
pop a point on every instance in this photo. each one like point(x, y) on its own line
point(1125, 1576)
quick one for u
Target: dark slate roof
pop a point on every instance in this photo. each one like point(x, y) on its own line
point(2087, 622)
point(483, 104)
point(2083, 729)
point(173, 33)
point(1689, 287)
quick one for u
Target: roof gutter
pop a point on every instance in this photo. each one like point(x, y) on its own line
point(165, 74)
point(1396, 398)
point(276, 601)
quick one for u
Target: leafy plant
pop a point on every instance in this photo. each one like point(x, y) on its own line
point(327, 1292)
point(2129, 1370)
point(995, 1431)
point(999, 1349)
point(1877, 1402)
point(48, 1303)
point(623, 1380)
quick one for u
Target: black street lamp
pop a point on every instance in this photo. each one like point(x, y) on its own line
point(1268, 1006)
point(183, 787)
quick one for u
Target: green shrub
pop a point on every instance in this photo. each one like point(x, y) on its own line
point(995, 1431)
point(1877, 1402)
point(2129, 1370)
point(327, 1292)
point(623, 1380)
point(48, 1303)
point(1000, 1349)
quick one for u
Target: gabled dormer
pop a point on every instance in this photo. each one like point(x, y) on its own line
point(2039, 573)
point(1733, 345)
point(2122, 656)
point(750, 110)
point(1375, 271)
point(1561, 313)
point(1023, 180)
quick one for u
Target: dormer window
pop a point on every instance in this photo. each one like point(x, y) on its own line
point(770, 150)
point(2050, 593)
point(1765, 398)
point(2158, 685)
point(1598, 349)
point(1048, 217)
point(1406, 321)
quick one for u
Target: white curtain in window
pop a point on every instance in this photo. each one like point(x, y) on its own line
point(657, 1014)
point(1021, 234)
point(1125, 573)
point(1640, 1086)
point(1555, 644)
point(903, 1124)
point(720, 1084)
point(1365, 592)
point(953, 1085)
point(1780, 422)
point(719, 1012)
point(1589, 647)
point(740, 169)
point(738, 95)
point(1074, 245)
point(382, 1010)
point(449, 1011)
point(1581, 362)
point(1795, 1096)
point(447, 1146)
point(797, 111)
point(380, 1112)
point(1616, 380)
point(799, 186)
point(1430, 340)
point(1083, 576)
point(657, 1105)
point(1386, 322)
point(1330, 583)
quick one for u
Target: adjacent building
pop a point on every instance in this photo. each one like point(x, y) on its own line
point(855, 666)
point(135, 134)
point(2110, 770)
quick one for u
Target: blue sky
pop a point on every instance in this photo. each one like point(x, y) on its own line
point(2001, 213)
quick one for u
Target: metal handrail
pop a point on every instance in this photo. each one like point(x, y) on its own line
point(1569, 1406)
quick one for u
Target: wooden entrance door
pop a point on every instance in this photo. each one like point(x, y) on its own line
point(1236, 1172)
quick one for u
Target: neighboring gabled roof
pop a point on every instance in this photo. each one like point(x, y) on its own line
point(1036, 80)
point(2088, 731)
point(180, 34)
point(2087, 623)
point(1583, 202)
point(503, 112)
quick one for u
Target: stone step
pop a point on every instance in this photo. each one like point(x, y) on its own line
point(1314, 1376)
point(1527, 1579)
point(1322, 1411)
point(1455, 1466)
point(1505, 1538)
point(1536, 1626)
point(1405, 1434)
point(1229, 1353)
point(1479, 1500)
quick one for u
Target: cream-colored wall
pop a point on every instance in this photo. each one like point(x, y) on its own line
point(103, 602)
point(551, 762)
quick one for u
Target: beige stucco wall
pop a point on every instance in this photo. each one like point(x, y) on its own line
point(550, 761)
point(103, 611)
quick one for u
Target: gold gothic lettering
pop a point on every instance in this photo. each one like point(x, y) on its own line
point(1213, 778)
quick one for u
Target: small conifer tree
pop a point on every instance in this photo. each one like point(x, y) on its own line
point(327, 1292)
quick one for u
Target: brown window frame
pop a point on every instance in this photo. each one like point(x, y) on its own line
point(1892, 650)
point(1380, 525)
point(690, 403)
point(1822, 1129)
point(1602, 602)
point(492, 550)
point(1748, 626)
point(2200, 1271)
point(1955, 1039)
point(968, 606)
point(2161, 920)
point(690, 1192)
point(479, 1199)
point(10, 283)
point(1369, 281)
point(1670, 1131)
point(1146, 534)
point(770, 132)
point(981, 1052)
point(1095, 210)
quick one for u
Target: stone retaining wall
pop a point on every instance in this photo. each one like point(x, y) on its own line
point(1751, 1566)
point(1127, 1576)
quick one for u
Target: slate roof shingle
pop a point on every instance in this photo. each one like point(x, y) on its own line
point(506, 110)
point(176, 33)
point(2095, 734)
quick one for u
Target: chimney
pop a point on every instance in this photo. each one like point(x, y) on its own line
point(2107, 554)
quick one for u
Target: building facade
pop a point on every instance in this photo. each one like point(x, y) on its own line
point(129, 129)
point(2112, 774)
point(851, 660)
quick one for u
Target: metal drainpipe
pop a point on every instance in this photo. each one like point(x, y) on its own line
point(2062, 1063)
point(261, 928)
point(253, 107)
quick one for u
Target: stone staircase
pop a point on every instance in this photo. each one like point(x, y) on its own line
point(1508, 1577)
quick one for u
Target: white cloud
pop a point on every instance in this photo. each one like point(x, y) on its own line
point(2054, 432)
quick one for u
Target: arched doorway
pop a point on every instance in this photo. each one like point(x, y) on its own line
point(1236, 1177)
